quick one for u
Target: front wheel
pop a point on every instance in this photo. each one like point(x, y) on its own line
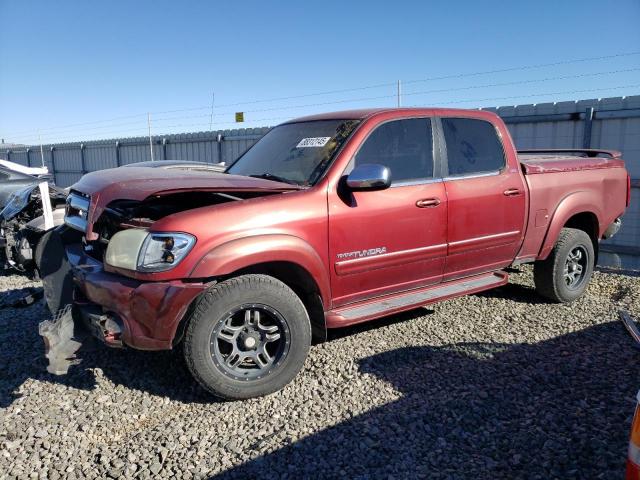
point(565, 274)
point(248, 336)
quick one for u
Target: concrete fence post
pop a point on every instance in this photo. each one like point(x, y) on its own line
point(117, 153)
point(53, 164)
point(588, 127)
point(219, 139)
point(83, 168)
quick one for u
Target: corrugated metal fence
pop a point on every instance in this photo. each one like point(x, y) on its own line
point(609, 123)
point(69, 161)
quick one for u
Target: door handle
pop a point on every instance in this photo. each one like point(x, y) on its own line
point(428, 202)
point(512, 192)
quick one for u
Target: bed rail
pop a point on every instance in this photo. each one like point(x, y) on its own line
point(583, 152)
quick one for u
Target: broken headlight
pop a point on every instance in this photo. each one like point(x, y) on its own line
point(136, 249)
point(17, 202)
point(163, 251)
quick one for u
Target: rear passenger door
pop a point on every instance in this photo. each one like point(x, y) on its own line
point(486, 199)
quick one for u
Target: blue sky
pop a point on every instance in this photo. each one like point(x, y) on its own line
point(75, 70)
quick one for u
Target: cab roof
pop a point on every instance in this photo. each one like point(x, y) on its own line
point(362, 114)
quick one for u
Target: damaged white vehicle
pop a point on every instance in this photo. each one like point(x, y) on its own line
point(31, 206)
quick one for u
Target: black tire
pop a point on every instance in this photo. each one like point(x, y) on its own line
point(204, 342)
point(557, 277)
point(54, 270)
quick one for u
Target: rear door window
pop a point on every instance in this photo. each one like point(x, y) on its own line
point(404, 146)
point(472, 145)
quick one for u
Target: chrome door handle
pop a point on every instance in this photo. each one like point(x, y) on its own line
point(428, 202)
point(512, 192)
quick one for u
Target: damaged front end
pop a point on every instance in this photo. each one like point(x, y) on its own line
point(98, 296)
point(121, 276)
point(121, 215)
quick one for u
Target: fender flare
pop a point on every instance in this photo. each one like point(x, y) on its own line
point(248, 251)
point(572, 204)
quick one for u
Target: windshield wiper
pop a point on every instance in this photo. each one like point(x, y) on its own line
point(275, 178)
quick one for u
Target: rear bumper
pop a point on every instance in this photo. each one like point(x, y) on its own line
point(612, 229)
point(148, 312)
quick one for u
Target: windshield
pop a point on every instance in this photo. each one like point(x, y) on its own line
point(297, 153)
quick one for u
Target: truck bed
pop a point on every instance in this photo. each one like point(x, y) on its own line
point(591, 184)
point(567, 160)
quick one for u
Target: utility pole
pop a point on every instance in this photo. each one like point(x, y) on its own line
point(213, 102)
point(150, 139)
point(41, 151)
point(399, 94)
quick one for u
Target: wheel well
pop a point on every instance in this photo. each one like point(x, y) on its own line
point(302, 283)
point(588, 223)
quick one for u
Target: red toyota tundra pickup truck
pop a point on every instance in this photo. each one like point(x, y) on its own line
point(327, 221)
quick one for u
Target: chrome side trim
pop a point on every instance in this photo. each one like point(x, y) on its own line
point(392, 259)
point(411, 183)
point(473, 175)
point(494, 236)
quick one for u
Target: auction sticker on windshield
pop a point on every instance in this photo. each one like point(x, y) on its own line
point(313, 142)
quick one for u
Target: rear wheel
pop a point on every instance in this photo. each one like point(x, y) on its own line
point(248, 336)
point(565, 274)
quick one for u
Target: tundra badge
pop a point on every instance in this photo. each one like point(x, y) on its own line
point(363, 253)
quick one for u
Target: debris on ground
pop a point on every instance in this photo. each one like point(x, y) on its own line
point(22, 297)
point(61, 340)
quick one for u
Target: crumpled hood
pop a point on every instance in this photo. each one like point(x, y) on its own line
point(139, 183)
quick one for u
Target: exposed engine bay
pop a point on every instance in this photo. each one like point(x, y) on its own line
point(123, 214)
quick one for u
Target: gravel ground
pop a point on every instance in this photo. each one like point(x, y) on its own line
point(500, 384)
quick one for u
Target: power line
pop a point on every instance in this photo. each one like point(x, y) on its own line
point(523, 82)
point(86, 123)
point(366, 87)
point(354, 100)
point(442, 90)
point(526, 67)
point(566, 92)
point(427, 79)
point(470, 100)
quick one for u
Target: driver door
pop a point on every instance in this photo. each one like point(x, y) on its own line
point(394, 239)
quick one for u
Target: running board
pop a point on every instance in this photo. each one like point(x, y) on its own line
point(395, 303)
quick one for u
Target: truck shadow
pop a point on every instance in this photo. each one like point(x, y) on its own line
point(560, 408)
point(516, 292)
point(338, 333)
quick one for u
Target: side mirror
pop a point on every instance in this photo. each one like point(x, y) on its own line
point(369, 176)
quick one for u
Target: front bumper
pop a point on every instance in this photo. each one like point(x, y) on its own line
point(149, 312)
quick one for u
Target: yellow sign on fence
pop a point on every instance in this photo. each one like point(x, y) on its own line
point(239, 116)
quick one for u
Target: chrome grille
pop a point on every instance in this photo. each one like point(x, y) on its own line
point(76, 209)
